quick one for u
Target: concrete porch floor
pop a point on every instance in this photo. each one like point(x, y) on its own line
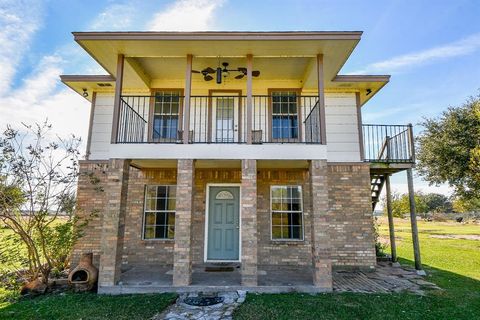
point(267, 276)
point(272, 279)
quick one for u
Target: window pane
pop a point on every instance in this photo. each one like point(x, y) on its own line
point(160, 222)
point(160, 232)
point(161, 204)
point(171, 218)
point(276, 233)
point(150, 218)
point(171, 204)
point(151, 191)
point(161, 191)
point(276, 219)
point(295, 233)
point(172, 191)
point(171, 232)
point(286, 213)
point(150, 204)
point(149, 233)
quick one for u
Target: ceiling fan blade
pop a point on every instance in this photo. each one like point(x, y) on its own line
point(240, 76)
point(255, 73)
point(208, 78)
point(242, 69)
point(208, 70)
point(195, 71)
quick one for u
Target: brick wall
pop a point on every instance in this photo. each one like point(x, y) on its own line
point(351, 227)
point(282, 252)
point(135, 250)
point(90, 207)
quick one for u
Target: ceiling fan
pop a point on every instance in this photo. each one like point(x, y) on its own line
point(223, 73)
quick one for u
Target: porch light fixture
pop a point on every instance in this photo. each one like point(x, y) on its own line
point(85, 93)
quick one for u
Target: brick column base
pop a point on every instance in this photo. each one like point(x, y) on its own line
point(249, 222)
point(321, 246)
point(182, 253)
point(113, 222)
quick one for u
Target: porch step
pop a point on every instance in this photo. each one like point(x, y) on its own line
point(221, 267)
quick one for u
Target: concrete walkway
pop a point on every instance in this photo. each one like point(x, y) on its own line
point(223, 310)
point(385, 278)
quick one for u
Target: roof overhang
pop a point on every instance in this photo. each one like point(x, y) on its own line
point(104, 47)
point(366, 85)
point(279, 55)
point(89, 83)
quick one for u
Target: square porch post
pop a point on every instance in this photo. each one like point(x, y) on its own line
point(321, 99)
point(113, 222)
point(186, 102)
point(117, 98)
point(249, 98)
point(321, 246)
point(182, 252)
point(249, 222)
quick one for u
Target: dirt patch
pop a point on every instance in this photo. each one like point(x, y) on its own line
point(456, 236)
point(385, 240)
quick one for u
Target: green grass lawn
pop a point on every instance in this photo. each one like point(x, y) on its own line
point(453, 264)
point(87, 306)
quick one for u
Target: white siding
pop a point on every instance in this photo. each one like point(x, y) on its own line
point(342, 127)
point(341, 121)
point(101, 127)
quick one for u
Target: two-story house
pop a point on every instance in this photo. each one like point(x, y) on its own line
point(232, 159)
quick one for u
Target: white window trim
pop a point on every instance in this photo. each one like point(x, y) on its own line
point(302, 214)
point(166, 211)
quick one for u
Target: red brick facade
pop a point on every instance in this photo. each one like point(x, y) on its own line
point(338, 227)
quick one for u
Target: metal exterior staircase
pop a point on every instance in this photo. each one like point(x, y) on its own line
point(377, 182)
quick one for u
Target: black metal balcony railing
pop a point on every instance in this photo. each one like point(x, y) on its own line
point(388, 143)
point(219, 119)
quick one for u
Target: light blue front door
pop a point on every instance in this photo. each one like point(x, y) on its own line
point(223, 223)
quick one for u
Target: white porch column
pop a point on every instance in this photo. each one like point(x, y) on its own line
point(186, 102)
point(118, 93)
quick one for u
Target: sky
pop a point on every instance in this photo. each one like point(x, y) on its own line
point(430, 48)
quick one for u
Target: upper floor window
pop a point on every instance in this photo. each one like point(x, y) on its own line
point(287, 213)
point(284, 115)
point(159, 213)
point(166, 115)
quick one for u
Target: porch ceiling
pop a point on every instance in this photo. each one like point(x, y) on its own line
point(151, 56)
point(105, 46)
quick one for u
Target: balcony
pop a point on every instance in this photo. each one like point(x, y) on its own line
point(388, 144)
point(219, 119)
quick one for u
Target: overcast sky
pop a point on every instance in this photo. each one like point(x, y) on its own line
point(431, 49)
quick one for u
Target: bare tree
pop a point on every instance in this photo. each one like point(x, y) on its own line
point(38, 175)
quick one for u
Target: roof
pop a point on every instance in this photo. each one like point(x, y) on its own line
point(279, 55)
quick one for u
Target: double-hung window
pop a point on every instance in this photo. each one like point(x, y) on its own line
point(159, 213)
point(284, 115)
point(166, 112)
point(287, 212)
